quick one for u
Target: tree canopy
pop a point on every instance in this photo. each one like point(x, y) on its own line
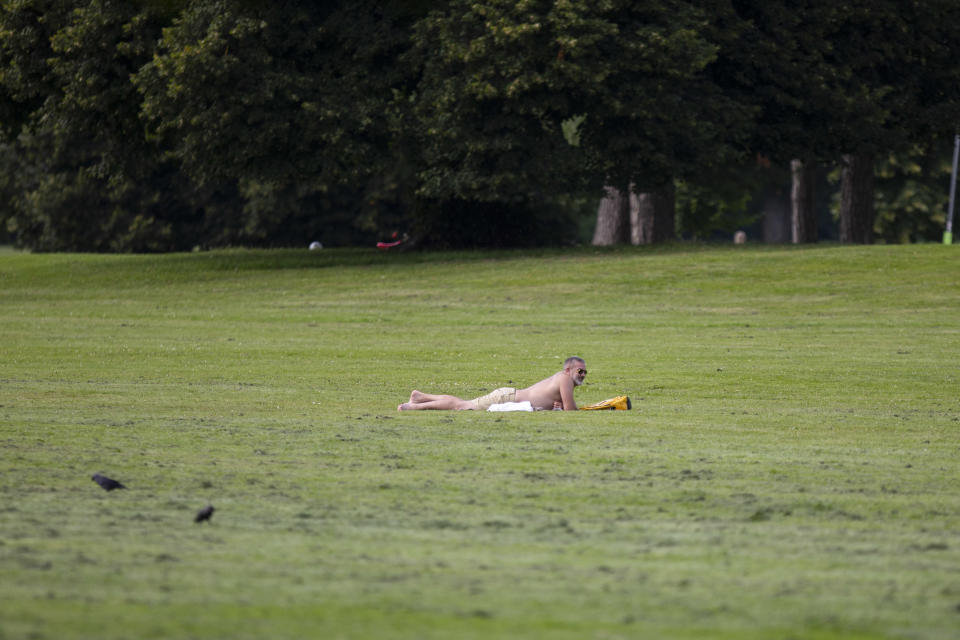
point(164, 125)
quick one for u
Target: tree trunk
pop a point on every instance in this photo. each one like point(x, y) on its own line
point(776, 217)
point(803, 215)
point(856, 199)
point(613, 219)
point(653, 216)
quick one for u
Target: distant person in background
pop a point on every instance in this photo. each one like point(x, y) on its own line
point(555, 392)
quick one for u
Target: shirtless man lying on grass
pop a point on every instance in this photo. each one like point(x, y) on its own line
point(555, 392)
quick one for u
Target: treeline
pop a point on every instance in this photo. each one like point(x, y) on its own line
point(166, 125)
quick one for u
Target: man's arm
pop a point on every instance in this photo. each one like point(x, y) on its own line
point(566, 394)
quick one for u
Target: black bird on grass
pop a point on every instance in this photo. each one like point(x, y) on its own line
point(109, 484)
point(204, 514)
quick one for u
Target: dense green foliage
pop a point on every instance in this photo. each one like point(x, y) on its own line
point(788, 470)
point(162, 125)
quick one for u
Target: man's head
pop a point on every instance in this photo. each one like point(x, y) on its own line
point(576, 368)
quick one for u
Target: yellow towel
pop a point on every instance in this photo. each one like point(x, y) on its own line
point(620, 403)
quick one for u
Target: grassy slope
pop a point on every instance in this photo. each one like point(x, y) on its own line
point(789, 469)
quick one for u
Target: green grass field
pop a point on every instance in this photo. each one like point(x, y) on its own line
point(790, 468)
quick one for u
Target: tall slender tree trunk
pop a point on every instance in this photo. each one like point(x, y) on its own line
point(613, 218)
point(856, 199)
point(776, 216)
point(803, 215)
point(653, 216)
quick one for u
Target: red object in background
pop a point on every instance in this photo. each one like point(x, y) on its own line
point(388, 245)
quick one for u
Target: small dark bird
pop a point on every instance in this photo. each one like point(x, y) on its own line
point(204, 514)
point(109, 484)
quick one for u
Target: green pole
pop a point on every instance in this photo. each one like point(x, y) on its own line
point(948, 233)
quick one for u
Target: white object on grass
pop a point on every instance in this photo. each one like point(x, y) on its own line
point(512, 406)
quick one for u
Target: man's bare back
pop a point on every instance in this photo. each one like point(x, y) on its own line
point(550, 392)
point(555, 392)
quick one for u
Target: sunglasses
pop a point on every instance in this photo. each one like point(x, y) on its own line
point(582, 372)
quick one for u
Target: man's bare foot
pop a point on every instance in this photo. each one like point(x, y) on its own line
point(416, 397)
point(404, 407)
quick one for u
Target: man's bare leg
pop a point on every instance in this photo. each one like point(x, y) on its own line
point(438, 402)
point(417, 397)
